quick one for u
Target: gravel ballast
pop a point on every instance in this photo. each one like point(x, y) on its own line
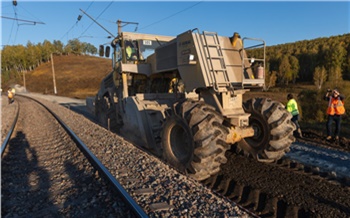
point(160, 190)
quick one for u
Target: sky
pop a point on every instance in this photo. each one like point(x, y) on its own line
point(276, 22)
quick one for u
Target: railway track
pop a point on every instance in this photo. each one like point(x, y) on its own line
point(56, 179)
point(287, 188)
point(43, 165)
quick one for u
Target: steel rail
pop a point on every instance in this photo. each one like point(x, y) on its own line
point(97, 164)
point(9, 134)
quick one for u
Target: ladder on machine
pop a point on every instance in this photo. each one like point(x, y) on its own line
point(215, 62)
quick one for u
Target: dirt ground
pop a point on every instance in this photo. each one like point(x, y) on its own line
point(318, 138)
point(75, 76)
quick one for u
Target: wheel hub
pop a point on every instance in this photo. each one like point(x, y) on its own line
point(180, 143)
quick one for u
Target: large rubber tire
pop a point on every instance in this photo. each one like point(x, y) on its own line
point(193, 140)
point(273, 130)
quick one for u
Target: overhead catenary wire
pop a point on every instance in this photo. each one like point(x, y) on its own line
point(15, 6)
point(39, 21)
point(78, 19)
point(135, 22)
point(97, 17)
point(163, 19)
point(13, 23)
point(97, 24)
point(15, 11)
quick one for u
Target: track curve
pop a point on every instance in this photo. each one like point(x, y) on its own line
point(42, 170)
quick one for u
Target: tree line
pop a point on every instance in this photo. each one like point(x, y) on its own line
point(16, 59)
point(319, 61)
point(322, 62)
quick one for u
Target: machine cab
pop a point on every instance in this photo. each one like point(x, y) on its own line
point(140, 49)
point(134, 47)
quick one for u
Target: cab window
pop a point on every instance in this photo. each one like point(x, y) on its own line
point(147, 47)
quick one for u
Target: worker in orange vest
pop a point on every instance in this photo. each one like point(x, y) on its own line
point(335, 111)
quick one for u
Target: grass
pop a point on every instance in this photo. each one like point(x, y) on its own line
point(280, 94)
point(76, 76)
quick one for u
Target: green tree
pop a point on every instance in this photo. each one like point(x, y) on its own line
point(58, 47)
point(284, 71)
point(335, 76)
point(89, 48)
point(6, 58)
point(67, 49)
point(335, 58)
point(32, 56)
point(17, 59)
point(346, 72)
point(14, 61)
point(47, 49)
point(294, 67)
point(75, 46)
point(6, 63)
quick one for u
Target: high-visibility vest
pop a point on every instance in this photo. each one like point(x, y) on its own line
point(128, 51)
point(292, 107)
point(9, 94)
point(335, 106)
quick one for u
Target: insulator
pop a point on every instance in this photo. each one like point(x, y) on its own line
point(79, 17)
point(14, 2)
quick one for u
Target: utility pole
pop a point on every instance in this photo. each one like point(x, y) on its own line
point(119, 22)
point(53, 75)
